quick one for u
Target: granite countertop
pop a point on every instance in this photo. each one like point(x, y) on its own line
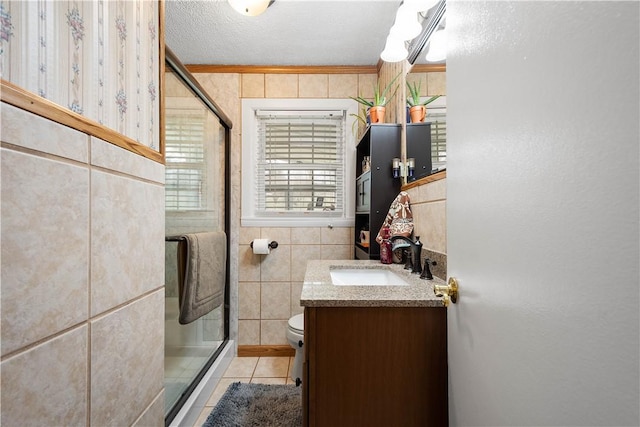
point(319, 291)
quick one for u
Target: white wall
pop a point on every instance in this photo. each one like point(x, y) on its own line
point(542, 211)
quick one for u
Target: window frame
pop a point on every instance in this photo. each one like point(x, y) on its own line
point(249, 215)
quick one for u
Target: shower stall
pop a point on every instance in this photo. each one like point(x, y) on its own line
point(196, 200)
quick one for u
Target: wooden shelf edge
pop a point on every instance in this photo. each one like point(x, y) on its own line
point(426, 180)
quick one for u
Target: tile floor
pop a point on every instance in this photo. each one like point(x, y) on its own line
point(264, 370)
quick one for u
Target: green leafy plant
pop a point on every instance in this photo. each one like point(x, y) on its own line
point(361, 117)
point(414, 95)
point(380, 98)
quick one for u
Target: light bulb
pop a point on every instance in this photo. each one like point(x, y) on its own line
point(406, 26)
point(394, 50)
point(419, 5)
point(437, 46)
point(249, 7)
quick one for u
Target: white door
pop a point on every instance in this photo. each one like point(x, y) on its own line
point(543, 213)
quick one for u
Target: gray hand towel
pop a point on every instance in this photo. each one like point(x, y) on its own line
point(202, 260)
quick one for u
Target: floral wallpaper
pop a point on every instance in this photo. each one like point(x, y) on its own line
point(97, 58)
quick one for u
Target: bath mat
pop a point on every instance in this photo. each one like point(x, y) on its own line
point(264, 405)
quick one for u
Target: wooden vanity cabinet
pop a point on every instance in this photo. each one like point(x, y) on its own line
point(375, 366)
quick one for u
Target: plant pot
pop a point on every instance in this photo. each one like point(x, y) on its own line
point(418, 113)
point(377, 114)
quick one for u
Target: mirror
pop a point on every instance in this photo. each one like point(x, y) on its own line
point(426, 141)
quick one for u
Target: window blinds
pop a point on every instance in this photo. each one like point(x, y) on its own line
point(438, 138)
point(300, 163)
point(185, 166)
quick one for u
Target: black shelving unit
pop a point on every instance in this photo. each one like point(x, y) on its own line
point(376, 188)
point(419, 147)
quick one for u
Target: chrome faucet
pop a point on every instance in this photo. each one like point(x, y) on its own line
point(398, 242)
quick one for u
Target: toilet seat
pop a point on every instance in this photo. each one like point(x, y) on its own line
point(296, 323)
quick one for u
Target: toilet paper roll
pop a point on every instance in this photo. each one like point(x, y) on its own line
point(261, 246)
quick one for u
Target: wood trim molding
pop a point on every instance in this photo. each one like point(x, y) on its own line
point(428, 68)
point(20, 98)
point(427, 179)
point(277, 69)
point(266, 351)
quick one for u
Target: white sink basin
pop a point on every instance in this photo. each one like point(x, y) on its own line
point(365, 277)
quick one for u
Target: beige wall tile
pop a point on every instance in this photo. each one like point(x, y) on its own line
point(253, 85)
point(248, 332)
point(47, 384)
point(273, 332)
point(44, 237)
point(419, 79)
point(436, 190)
point(337, 252)
point(112, 157)
point(280, 235)
point(127, 231)
point(249, 300)
point(275, 300)
point(154, 415)
point(296, 291)
point(305, 236)
point(336, 236)
point(224, 88)
point(247, 234)
point(281, 85)
point(343, 85)
point(28, 130)
point(366, 84)
point(276, 267)
point(300, 254)
point(430, 225)
point(129, 341)
point(248, 264)
point(314, 86)
point(437, 83)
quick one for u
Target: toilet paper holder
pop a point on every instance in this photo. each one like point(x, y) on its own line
point(273, 244)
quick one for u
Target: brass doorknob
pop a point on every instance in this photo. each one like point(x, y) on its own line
point(449, 292)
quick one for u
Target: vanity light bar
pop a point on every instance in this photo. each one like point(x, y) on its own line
point(428, 28)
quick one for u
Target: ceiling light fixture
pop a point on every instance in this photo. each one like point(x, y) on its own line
point(250, 7)
point(406, 27)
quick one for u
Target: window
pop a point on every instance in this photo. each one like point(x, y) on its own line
point(438, 140)
point(184, 156)
point(437, 115)
point(297, 163)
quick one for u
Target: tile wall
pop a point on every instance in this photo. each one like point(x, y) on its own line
point(82, 278)
point(267, 288)
point(429, 209)
point(429, 201)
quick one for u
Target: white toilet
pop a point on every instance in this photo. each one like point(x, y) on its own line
point(295, 336)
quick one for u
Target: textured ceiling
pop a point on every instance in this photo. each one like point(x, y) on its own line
point(289, 32)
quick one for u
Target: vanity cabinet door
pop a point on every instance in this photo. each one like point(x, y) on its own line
point(363, 188)
point(375, 366)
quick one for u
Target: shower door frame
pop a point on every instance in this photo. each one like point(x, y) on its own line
point(172, 61)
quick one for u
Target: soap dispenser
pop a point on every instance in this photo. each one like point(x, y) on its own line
point(386, 254)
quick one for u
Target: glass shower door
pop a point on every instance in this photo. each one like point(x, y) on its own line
point(196, 147)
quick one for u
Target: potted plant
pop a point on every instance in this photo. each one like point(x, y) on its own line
point(377, 107)
point(417, 108)
point(360, 118)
